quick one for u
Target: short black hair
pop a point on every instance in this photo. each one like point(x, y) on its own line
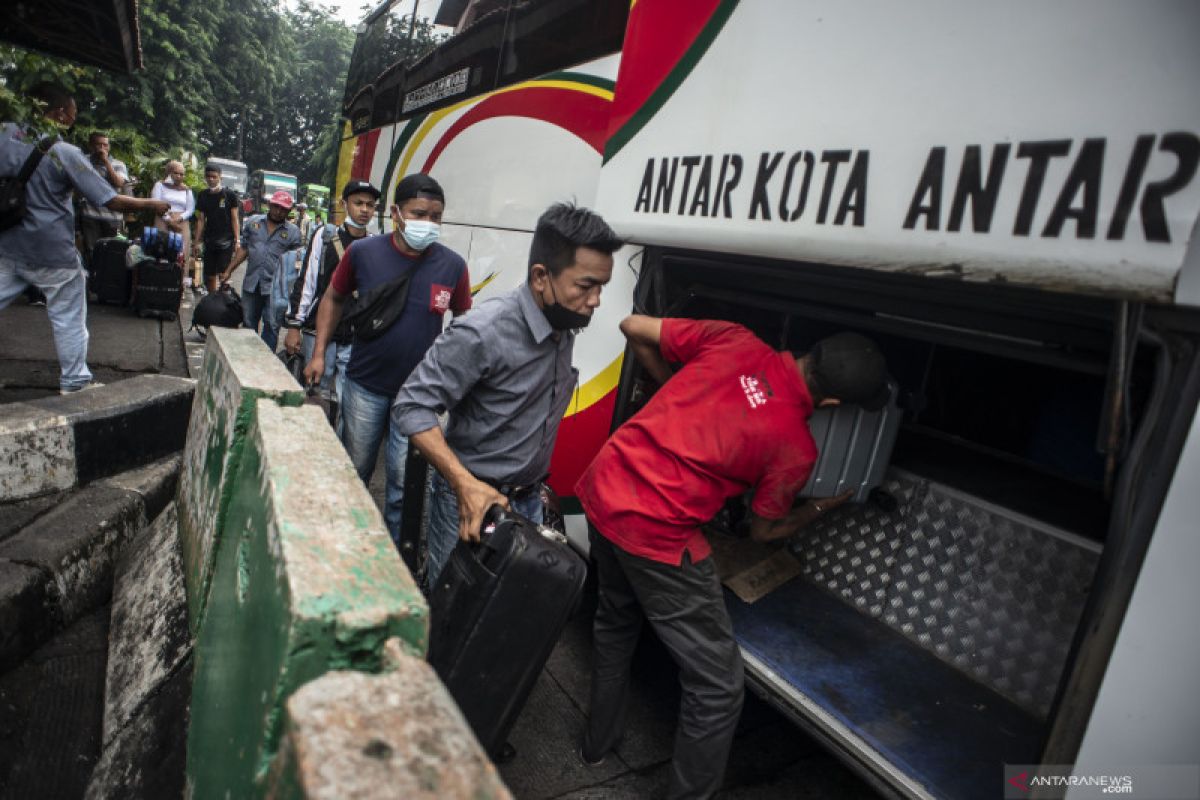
point(94, 135)
point(212, 168)
point(564, 227)
point(52, 94)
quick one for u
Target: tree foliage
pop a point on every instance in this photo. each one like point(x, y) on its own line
point(245, 79)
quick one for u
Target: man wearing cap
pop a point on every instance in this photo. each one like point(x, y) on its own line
point(734, 418)
point(325, 249)
point(265, 238)
point(380, 360)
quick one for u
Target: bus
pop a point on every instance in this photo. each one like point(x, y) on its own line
point(264, 183)
point(1007, 203)
point(317, 199)
point(234, 174)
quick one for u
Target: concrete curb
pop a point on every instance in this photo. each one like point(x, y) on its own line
point(149, 671)
point(56, 443)
point(148, 632)
point(72, 548)
point(306, 581)
point(60, 565)
point(398, 734)
point(238, 370)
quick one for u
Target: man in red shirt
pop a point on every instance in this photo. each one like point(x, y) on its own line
point(734, 418)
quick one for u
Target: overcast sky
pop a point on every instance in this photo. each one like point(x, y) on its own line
point(352, 11)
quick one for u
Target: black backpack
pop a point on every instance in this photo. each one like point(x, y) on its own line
point(222, 308)
point(12, 189)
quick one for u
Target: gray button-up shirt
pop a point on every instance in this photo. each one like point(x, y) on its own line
point(264, 251)
point(46, 237)
point(507, 381)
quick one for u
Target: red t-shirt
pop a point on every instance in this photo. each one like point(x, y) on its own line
point(735, 417)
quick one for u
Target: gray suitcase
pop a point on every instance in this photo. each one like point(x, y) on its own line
point(854, 447)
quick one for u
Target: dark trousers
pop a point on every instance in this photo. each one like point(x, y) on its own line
point(686, 608)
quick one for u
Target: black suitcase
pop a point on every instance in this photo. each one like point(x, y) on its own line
point(112, 280)
point(157, 288)
point(497, 612)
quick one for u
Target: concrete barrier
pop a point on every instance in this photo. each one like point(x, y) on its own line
point(238, 370)
point(396, 734)
point(306, 580)
point(57, 443)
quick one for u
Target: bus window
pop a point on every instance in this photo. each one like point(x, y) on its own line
point(458, 68)
point(543, 36)
point(397, 34)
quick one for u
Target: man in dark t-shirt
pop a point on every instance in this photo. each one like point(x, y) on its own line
point(438, 282)
point(218, 228)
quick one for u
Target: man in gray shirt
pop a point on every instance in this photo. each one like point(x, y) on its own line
point(504, 372)
point(40, 250)
point(97, 221)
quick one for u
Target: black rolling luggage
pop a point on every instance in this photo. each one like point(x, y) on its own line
point(497, 612)
point(157, 288)
point(112, 280)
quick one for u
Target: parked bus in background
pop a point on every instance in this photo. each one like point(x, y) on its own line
point(316, 197)
point(264, 183)
point(1007, 201)
point(234, 174)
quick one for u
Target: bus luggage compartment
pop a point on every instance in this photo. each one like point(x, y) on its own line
point(928, 635)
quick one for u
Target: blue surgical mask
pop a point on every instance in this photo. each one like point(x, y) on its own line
point(420, 233)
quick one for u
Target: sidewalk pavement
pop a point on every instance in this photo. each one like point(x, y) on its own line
point(121, 345)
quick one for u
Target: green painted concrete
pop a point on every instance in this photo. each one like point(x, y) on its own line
point(305, 581)
point(397, 734)
point(238, 370)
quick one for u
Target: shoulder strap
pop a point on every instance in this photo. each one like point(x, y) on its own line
point(43, 146)
point(339, 248)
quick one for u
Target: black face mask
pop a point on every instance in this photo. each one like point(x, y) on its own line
point(562, 318)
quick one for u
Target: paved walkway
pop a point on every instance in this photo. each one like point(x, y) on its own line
point(122, 345)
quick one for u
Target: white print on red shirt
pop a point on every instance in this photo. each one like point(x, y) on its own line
point(756, 393)
point(439, 298)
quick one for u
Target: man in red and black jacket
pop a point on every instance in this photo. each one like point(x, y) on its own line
point(326, 246)
point(734, 418)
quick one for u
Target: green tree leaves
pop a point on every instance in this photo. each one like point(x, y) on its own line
point(246, 79)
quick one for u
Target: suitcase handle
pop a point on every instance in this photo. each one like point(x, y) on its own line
point(484, 551)
point(495, 514)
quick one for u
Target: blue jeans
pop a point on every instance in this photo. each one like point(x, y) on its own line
point(365, 420)
point(256, 308)
point(333, 381)
point(308, 343)
point(442, 535)
point(66, 304)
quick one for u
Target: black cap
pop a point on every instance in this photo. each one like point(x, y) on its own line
point(357, 186)
point(849, 367)
point(418, 185)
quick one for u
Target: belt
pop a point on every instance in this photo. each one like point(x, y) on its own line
point(515, 491)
